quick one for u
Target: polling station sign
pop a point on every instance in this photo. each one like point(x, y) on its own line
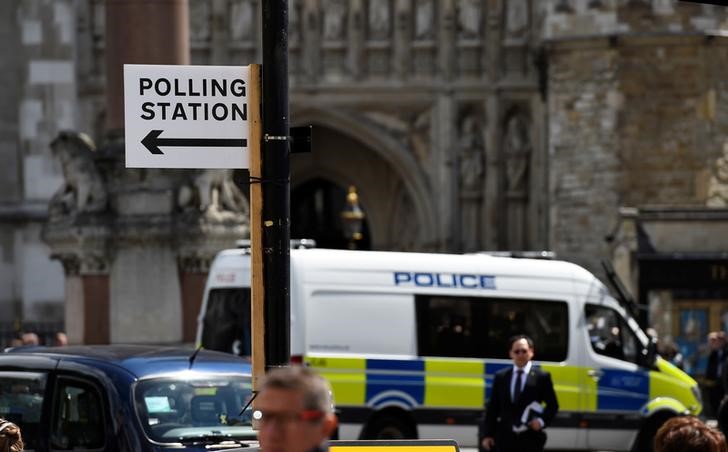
point(186, 116)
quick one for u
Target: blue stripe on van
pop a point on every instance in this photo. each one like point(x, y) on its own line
point(406, 376)
point(622, 390)
point(490, 370)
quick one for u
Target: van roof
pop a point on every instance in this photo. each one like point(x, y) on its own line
point(383, 260)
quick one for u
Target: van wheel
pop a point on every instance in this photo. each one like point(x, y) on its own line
point(646, 438)
point(390, 427)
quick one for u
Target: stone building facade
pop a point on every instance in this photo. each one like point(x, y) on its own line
point(465, 125)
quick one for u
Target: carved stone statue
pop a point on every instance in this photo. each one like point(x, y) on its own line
point(242, 17)
point(469, 18)
point(517, 153)
point(472, 155)
point(334, 19)
point(214, 192)
point(718, 184)
point(424, 19)
point(84, 189)
point(379, 19)
point(516, 18)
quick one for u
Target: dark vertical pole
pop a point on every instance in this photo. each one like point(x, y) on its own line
point(276, 184)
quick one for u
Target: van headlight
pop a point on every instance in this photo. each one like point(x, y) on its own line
point(696, 393)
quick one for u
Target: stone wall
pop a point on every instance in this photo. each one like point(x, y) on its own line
point(635, 116)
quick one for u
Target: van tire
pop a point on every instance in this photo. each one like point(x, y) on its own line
point(646, 437)
point(390, 426)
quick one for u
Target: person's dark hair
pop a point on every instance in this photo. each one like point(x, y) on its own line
point(518, 337)
point(10, 438)
point(315, 389)
point(688, 434)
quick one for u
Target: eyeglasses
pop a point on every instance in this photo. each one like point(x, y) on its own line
point(520, 351)
point(287, 418)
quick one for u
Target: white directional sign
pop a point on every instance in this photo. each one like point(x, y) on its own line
point(186, 116)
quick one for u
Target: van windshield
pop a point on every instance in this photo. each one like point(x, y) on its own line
point(173, 410)
point(226, 326)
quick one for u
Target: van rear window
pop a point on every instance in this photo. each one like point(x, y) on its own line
point(476, 327)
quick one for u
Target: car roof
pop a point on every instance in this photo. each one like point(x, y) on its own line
point(143, 360)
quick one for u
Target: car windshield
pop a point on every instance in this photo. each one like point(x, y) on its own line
point(204, 408)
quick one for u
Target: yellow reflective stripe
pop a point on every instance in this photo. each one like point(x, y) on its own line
point(575, 389)
point(662, 403)
point(347, 377)
point(450, 383)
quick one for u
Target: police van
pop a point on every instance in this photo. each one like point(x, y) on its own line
point(411, 341)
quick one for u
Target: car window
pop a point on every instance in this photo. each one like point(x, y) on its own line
point(171, 409)
point(21, 402)
point(78, 417)
point(610, 335)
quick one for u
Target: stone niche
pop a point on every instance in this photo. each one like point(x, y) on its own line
point(136, 244)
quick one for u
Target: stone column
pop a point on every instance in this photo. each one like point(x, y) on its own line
point(82, 249)
point(160, 35)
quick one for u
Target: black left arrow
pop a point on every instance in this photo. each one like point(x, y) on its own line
point(152, 142)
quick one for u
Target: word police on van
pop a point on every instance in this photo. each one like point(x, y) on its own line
point(411, 341)
point(445, 280)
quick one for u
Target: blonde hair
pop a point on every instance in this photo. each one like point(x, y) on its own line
point(10, 438)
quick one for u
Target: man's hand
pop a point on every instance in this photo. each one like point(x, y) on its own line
point(535, 424)
point(488, 443)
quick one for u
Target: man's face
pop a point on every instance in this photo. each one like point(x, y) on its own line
point(283, 427)
point(716, 342)
point(521, 353)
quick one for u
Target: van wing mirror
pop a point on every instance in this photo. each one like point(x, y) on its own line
point(650, 352)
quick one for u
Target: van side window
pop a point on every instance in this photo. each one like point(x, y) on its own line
point(227, 321)
point(474, 327)
point(610, 335)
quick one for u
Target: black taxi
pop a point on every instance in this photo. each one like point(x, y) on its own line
point(127, 398)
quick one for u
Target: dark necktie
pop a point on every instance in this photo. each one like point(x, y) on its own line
point(517, 387)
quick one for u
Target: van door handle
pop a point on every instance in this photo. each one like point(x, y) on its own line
point(595, 374)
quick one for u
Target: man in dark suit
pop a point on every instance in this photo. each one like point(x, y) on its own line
point(522, 402)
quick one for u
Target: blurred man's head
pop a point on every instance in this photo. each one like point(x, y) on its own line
point(716, 340)
point(294, 410)
point(60, 339)
point(30, 339)
point(688, 434)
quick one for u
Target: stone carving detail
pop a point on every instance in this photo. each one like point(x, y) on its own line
point(472, 157)
point(84, 189)
point(517, 18)
point(334, 19)
point(471, 154)
point(517, 153)
point(199, 20)
point(469, 18)
point(718, 184)
point(410, 129)
point(294, 22)
point(379, 20)
point(242, 19)
point(424, 19)
point(405, 231)
point(214, 192)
